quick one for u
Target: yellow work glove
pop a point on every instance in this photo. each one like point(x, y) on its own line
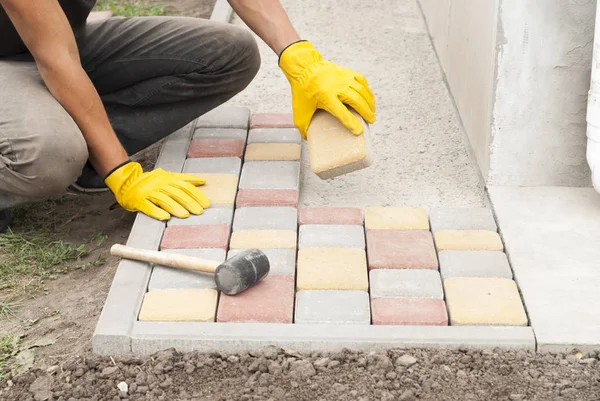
point(158, 193)
point(320, 84)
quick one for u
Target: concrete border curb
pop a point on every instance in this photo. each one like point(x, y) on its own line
point(150, 337)
point(113, 330)
point(222, 11)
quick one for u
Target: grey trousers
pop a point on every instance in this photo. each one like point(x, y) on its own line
point(153, 74)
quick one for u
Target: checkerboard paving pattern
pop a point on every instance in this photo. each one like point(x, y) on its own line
point(394, 265)
point(388, 266)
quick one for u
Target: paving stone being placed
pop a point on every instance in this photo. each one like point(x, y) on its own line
point(270, 175)
point(179, 305)
point(164, 277)
point(267, 197)
point(337, 307)
point(271, 300)
point(265, 218)
point(467, 240)
point(282, 261)
point(203, 236)
point(330, 216)
point(216, 148)
point(275, 239)
point(331, 236)
point(462, 219)
point(225, 117)
point(273, 151)
point(210, 216)
point(396, 218)
point(474, 264)
point(274, 135)
point(484, 301)
point(386, 283)
point(409, 312)
point(395, 249)
point(220, 189)
point(220, 133)
point(213, 165)
point(272, 120)
point(332, 269)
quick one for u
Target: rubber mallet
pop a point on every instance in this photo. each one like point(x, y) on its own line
point(233, 276)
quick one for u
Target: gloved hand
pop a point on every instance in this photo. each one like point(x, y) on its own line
point(158, 193)
point(320, 84)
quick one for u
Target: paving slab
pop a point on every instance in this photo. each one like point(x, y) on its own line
point(221, 133)
point(265, 218)
point(474, 264)
point(267, 197)
point(211, 215)
point(481, 301)
point(164, 277)
point(220, 189)
point(213, 165)
point(273, 151)
point(270, 175)
point(202, 236)
point(331, 236)
point(212, 147)
point(282, 261)
point(276, 239)
point(409, 312)
point(387, 283)
point(467, 240)
point(399, 249)
point(332, 269)
point(225, 117)
point(333, 307)
point(179, 305)
point(551, 238)
point(462, 219)
point(331, 216)
point(396, 218)
point(272, 120)
point(274, 135)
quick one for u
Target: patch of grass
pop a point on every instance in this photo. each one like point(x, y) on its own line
point(8, 306)
point(131, 8)
point(9, 346)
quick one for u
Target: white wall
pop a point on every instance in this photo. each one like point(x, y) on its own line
point(519, 73)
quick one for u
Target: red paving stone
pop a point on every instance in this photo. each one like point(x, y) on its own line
point(201, 236)
point(398, 249)
point(330, 215)
point(211, 147)
point(269, 301)
point(267, 197)
point(409, 312)
point(272, 120)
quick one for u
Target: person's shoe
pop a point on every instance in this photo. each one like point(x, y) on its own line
point(6, 219)
point(89, 181)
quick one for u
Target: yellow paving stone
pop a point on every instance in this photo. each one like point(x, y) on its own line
point(396, 218)
point(468, 240)
point(220, 189)
point(179, 305)
point(484, 301)
point(268, 239)
point(273, 151)
point(332, 269)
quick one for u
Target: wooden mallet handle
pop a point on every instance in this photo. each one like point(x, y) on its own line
point(166, 259)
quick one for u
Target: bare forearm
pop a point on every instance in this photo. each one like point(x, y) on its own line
point(46, 32)
point(268, 20)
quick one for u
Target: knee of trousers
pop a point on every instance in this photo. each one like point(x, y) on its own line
point(50, 160)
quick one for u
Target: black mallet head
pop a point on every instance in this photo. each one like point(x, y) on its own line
point(242, 271)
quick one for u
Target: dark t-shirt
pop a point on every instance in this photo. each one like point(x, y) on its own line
point(76, 11)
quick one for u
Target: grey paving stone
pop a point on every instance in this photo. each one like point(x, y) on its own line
point(220, 133)
point(213, 165)
point(174, 150)
point(150, 337)
point(331, 236)
point(474, 264)
point(282, 262)
point(265, 218)
point(337, 307)
point(225, 117)
point(274, 135)
point(270, 175)
point(462, 219)
point(167, 277)
point(406, 283)
point(212, 215)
